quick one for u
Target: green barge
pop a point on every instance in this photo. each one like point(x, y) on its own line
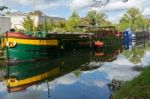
point(26, 47)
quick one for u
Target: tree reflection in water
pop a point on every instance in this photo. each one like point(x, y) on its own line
point(136, 54)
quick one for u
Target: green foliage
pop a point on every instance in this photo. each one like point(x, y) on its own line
point(53, 27)
point(92, 17)
point(138, 88)
point(77, 73)
point(135, 55)
point(133, 18)
point(74, 20)
point(60, 26)
point(147, 23)
point(148, 46)
point(95, 18)
point(28, 24)
point(45, 27)
point(7, 12)
point(3, 8)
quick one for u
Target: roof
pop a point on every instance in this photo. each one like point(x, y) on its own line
point(18, 14)
point(26, 14)
point(4, 16)
point(90, 26)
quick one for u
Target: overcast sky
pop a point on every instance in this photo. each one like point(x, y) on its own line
point(63, 8)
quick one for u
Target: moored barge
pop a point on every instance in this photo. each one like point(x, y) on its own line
point(21, 46)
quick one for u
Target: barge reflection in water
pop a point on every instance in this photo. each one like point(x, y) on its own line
point(71, 76)
point(23, 75)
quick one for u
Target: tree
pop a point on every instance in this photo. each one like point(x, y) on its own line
point(147, 46)
point(28, 24)
point(46, 27)
point(147, 23)
point(36, 12)
point(133, 18)
point(7, 12)
point(60, 26)
point(3, 8)
point(92, 17)
point(77, 73)
point(95, 18)
point(74, 20)
point(135, 55)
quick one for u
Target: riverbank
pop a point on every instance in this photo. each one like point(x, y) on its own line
point(138, 88)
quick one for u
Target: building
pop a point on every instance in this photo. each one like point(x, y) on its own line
point(5, 24)
point(41, 19)
point(18, 18)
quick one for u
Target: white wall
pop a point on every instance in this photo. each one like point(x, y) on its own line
point(16, 21)
point(35, 19)
point(5, 24)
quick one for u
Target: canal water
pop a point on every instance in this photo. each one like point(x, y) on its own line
point(81, 74)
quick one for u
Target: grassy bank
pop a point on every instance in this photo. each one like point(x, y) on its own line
point(138, 88)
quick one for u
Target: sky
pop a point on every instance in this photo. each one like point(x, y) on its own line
point(120, 69)
point(63, 8)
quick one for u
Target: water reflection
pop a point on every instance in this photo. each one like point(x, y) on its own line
point(23, 75)
point(83, 74)
point(136, 53)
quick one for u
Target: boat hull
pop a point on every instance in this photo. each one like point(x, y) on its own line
point(23, 52)
point(22, 47)
point(37, 49)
